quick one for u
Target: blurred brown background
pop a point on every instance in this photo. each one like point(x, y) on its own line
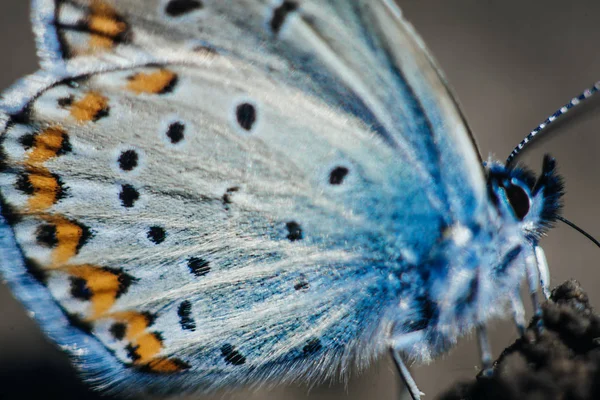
point(511, 63)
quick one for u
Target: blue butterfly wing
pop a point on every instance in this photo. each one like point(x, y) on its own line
point(182, 240)
point(415, 167)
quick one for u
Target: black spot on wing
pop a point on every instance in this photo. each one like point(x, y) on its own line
point(118, 330)
point(206, 50)
point(128, 196)
point(125, 280)
point(27, 141)
point(132, 352)
point(198, 266)
point(23, 184)
point(80, 289)
point(185, 316)
point(294, 231)
point(227, 196)
point(177, 8)
point(46, 236)
point(281, 13)
point(231, 355)
point(175, 132)
point(128, 160)
point(312, 346)
point(246, 115)
point(156, 234)
point(65, 102)
point(337, 175)
point(302, 285)
point(170, 87)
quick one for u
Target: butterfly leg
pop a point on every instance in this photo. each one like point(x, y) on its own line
point(542, 264)
point(533, 281)
point(518, 312)
point(484, 349)
point(397, 345)
point(407, 378)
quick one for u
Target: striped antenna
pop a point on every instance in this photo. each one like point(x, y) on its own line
point(541, 127)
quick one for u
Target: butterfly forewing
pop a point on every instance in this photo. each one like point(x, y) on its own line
point(358, 55)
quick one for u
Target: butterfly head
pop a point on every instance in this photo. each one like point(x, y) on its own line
point(477, 266)
point(532, 203)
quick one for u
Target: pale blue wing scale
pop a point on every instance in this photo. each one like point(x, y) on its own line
point(361, 56)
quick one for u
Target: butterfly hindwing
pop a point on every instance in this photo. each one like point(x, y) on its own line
point(239, 223)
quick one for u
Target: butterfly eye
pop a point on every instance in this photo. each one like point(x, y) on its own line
point(519, 199)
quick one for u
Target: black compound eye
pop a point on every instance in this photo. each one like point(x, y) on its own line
point(519, 200)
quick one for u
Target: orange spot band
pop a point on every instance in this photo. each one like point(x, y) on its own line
point(100, 42)
point(68, 236)
point(148, 346)
point(166, 365)
point(90, 107)
point(46, 189)
point(137, 323)
point(47, 144)
point(152, 83)
point(106, 25)
point(104, 285)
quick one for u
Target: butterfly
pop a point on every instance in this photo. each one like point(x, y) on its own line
point(200, 195)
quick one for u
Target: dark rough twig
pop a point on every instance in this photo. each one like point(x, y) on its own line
point(561, 362)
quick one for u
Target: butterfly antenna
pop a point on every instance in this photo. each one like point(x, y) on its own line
point(544, 125)
point(578, 229)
